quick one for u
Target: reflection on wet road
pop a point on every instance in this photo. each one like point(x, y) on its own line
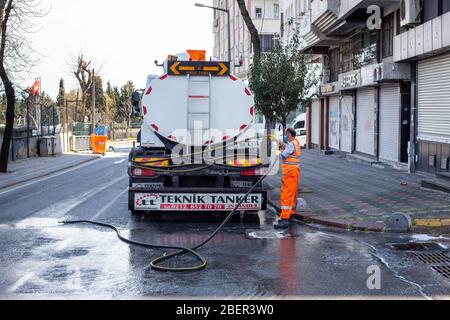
point(41, 258)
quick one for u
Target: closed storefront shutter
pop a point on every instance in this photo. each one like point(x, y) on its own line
point(334, 123)
point(390, 122)
point(434, 99)
point(315, 119)
point(346, 123)
point(365, 121)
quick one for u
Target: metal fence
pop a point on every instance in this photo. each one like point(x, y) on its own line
point(80, 143)
point(81, 129)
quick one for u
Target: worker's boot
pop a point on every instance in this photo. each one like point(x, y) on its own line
point(282, 224)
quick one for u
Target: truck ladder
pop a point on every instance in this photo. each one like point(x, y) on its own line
point(199, 105)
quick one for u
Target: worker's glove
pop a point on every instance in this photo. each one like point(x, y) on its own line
point(278, 153)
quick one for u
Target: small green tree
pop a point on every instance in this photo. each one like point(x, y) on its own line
point(61, 98)
point(125, 103)
point(99, 95)
point(281, 81)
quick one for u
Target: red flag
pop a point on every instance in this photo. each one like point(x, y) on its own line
point(35, 88)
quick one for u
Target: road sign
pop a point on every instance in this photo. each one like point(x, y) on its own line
point(198, 68)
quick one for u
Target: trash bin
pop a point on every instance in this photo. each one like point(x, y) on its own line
point(98, 144)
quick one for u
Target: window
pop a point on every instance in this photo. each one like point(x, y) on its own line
point(258, 13)
point(300, 125)
point(267, 42)
point(334, 65)
point(387, 32)
point(276, 11)
point(364, 48)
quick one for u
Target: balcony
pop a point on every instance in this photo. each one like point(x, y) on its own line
point(324, 13)
point(424, 40)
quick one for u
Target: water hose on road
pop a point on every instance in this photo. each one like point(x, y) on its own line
point(156, 263)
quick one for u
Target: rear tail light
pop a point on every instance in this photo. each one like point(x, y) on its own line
point(248, 173)
point(138, 172)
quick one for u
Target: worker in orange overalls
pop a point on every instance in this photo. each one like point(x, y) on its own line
point(290, 169)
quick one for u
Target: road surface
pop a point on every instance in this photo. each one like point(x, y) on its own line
point(41, 259)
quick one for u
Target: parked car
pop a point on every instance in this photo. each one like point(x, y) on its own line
point(299, 124)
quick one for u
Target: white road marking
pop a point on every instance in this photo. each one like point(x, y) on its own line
point(103, 210)
point(120, 161)
point(19, 283)
point(48, 177)
point(88, 195)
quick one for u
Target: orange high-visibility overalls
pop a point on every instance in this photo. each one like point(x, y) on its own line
point(290, 168)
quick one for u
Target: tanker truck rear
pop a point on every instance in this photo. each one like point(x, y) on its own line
point(199, 150)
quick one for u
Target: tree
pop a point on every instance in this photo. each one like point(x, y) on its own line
point(15, 58)
point(99, 95)
point(125, 103)
point(254, 36)
point(5, 13)
point(281, 81)
point(61, 98)
point(85, 76)
point(111, 101)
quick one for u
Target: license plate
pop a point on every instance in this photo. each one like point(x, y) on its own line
point(242, 184)
point(148, 185)
point(196, 202)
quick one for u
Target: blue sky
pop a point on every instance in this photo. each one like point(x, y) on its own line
point(123, 41)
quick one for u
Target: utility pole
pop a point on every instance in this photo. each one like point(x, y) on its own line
point(229, 32)
point(93, 102)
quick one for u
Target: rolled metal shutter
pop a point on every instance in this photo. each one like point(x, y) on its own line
point(365, 121)
point(334, 123)
point(390, 122)
point(346, 123)
point(434, 99)
point(315, 119)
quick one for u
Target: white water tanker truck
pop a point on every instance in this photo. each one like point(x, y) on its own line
point(198, 148)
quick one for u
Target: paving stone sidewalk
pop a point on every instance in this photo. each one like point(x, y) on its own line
point(354, 195)
point(29, 169)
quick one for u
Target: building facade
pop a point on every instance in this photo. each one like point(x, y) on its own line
point(266, 17)
point(426, 45)
point(364, 104)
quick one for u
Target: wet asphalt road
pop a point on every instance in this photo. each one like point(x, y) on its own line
point(41, 259)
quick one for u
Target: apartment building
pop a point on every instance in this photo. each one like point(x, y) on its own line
point(426, 45)
point(364, 104)
point(266, 17)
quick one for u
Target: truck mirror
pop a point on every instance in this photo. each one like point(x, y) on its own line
point(136, 99)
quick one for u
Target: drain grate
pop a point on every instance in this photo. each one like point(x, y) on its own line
point(443, 270)
point(433, 258)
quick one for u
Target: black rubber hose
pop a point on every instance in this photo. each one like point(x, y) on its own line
point(155, 264)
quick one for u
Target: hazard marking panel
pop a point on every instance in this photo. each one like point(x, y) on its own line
point(196, 202)
point(198, 68)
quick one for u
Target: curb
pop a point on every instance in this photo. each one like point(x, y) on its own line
point(345, 224)
point(51, 172)
point(424, 226)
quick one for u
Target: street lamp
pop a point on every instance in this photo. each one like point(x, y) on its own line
point(201, 5)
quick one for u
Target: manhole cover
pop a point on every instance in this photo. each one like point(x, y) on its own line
point(433, 257)
point(439, 261)
point(443, 270)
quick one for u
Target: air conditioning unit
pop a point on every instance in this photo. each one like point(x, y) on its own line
point(410, 12)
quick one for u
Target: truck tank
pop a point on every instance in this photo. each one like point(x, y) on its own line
point(197, 110)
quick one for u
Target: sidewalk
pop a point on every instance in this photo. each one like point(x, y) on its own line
point(357, 196)
point(29, 169)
